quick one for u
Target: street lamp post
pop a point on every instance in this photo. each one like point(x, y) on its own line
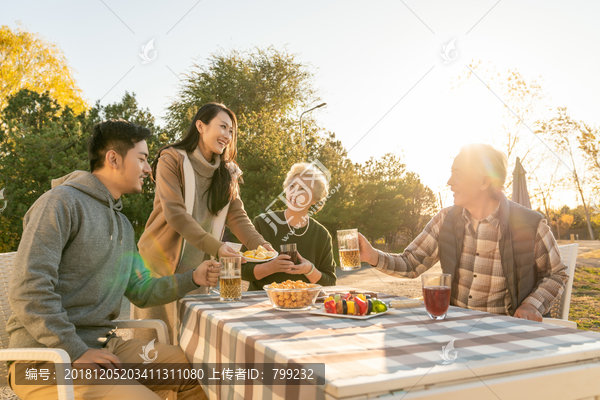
point(302, 129)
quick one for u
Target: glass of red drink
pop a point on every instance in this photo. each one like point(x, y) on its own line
point(291, 250)
point(436, 294)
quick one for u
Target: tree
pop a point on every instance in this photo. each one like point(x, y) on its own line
point(562, 223)
point(28, 61)
point(266, 151)
point(526, 98)
point(40, 141)
point(566, 134)
point(337, 212)
point(379, 198)
point(265, 88)
point(391, 201)
point(544, 191)
point(589, 144)
point(136, 207)
point(420, 206)
point(267, 82)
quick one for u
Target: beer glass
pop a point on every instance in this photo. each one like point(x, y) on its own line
point(230, 281)
point(436, 294)
point(349, 250)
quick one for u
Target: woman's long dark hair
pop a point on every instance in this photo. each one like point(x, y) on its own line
point(222, 187)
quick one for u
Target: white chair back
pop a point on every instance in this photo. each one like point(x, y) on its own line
point(65, 391)
point(568, 255)
point(6, 263)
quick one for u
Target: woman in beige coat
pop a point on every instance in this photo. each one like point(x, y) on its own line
point(185, 228)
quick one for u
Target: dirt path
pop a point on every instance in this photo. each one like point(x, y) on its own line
point(369, 278)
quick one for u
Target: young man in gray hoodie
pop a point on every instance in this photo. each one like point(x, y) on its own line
point(78, 257)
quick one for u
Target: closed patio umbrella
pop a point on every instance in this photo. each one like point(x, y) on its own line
point(520, 194)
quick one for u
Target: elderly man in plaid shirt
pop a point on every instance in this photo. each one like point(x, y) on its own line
point(502, 256)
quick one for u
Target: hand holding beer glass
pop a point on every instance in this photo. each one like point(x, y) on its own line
point(436, 294)
point(349, 249)
point(231, 279)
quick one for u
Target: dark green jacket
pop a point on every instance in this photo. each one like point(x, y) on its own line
point(315, 245)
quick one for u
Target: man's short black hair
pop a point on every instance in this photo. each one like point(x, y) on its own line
point(115, 134)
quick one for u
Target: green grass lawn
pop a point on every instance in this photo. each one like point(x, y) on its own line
point(585, 299)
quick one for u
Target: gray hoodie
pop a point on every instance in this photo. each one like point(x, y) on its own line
point(76, 260)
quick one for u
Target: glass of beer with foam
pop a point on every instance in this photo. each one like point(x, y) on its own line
point(230, 282)
point(349, 250)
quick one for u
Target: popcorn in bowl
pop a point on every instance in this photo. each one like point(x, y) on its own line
point(290, 295)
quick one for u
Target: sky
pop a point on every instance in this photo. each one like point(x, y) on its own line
point(377, 65)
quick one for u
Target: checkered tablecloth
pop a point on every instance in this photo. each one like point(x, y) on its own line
point(404, 346)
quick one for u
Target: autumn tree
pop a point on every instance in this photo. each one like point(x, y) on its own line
point(544, 191)
point(566, 134)
point(589, 144)
point(526, 103)
point(29, 61)
point(562, 223)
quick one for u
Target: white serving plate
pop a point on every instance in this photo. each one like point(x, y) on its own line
point(259, 261)
point(322, 312)
point(238, 246)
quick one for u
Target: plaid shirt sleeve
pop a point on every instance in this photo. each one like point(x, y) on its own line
point(551, 272)
point(419, 256)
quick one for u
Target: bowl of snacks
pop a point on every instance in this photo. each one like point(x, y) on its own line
point(290, 295)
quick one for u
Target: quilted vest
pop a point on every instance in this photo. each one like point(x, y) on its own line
point(518, 228)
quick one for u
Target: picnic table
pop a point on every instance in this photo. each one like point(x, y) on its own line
point(399, 355)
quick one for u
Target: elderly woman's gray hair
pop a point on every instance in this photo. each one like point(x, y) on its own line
point(318, 181)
